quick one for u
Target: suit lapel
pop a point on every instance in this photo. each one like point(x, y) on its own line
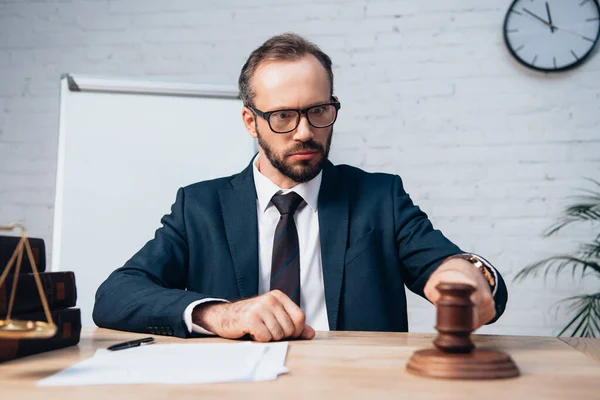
point(333, 228)
point(238, 203)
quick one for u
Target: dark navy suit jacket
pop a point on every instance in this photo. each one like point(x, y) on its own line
point(374, 240)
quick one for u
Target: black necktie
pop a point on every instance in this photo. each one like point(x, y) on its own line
point(285, 265)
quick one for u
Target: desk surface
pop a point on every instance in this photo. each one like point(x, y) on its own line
point(339, 365)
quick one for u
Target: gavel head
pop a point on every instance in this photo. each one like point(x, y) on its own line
point(454, 318)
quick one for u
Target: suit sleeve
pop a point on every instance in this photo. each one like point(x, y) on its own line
point(500, 297)
point(422, 249)
point(148, 293)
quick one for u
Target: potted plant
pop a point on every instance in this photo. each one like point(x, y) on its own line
point(586, 259)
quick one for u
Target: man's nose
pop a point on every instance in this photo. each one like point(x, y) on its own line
point(304, 131)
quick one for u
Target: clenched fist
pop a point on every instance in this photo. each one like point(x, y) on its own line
point(270, 316)
point(461, 271)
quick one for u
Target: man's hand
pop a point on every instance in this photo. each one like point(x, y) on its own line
point(462, 271)
point(270, 316)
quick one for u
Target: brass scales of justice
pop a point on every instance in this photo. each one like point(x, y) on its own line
point(14, 328)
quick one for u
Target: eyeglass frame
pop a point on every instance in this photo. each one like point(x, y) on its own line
point(267, 115)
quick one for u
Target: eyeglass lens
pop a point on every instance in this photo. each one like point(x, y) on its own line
point(287, 120)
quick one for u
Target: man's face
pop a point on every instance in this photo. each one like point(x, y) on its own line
point(300, 154)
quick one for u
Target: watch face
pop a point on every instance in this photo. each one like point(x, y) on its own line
point(552, 35)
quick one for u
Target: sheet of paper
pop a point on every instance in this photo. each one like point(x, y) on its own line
point(176, 364)
point(272, 362)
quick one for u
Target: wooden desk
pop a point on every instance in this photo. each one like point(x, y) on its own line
point(338, 365)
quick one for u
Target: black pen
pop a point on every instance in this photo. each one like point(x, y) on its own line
point(132, 343)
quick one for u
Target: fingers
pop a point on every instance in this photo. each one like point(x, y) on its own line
point(273, 316)
point(279, 322)
point(476, 318)
point(259, 331)
point(294, 312)
point(450, 274)
point(484, 309)
point(275, 330)
point(482, 315)
point(291, 317)
point(285, 322)
point(307, 333)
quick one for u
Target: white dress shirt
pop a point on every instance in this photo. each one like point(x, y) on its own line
point(312, 288)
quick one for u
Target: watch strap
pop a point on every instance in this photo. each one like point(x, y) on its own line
point(489, 272)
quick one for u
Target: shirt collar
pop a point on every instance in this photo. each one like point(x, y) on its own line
point(266, 189)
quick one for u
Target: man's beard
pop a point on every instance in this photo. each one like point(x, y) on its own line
point(302, 171)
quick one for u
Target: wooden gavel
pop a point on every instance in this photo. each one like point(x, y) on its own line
point(455, 355)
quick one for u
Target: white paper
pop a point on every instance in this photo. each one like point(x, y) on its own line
point(176, 364)
point(272, 362)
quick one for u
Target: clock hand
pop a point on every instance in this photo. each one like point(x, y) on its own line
point(536, 16)
point(573, 33)
point(552, 27)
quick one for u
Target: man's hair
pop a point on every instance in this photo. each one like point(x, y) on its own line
point(285, 47)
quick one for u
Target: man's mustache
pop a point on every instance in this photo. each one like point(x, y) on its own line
point(304, 146)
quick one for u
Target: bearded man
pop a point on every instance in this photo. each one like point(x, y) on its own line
point(293, 243)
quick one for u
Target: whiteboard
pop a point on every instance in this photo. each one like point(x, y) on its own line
point(125, 147)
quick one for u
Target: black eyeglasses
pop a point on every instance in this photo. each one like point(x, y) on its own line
point(286, 120)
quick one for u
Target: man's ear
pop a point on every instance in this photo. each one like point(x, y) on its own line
point(249, 121)
point(335, 98)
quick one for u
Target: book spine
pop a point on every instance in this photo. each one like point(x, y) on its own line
point(68, 334)
point(59, 288)
point(8, 244)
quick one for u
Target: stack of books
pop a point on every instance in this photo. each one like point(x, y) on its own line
point(61, 294)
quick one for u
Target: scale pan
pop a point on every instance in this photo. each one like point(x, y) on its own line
point(17, 329)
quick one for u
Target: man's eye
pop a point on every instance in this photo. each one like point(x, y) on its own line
point(283, 115)
point(317, 110)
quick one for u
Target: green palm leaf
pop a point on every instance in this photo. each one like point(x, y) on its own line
point(587, 210)
point(585, 321)
point(576, 213)
point(586, 308)
point(559, 263)
point(590, 251)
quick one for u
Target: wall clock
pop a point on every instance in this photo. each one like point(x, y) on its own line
point(552, 35)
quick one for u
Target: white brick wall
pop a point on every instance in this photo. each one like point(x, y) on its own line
point(490, 150)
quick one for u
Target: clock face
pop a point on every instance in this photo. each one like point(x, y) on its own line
point(552, 35)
